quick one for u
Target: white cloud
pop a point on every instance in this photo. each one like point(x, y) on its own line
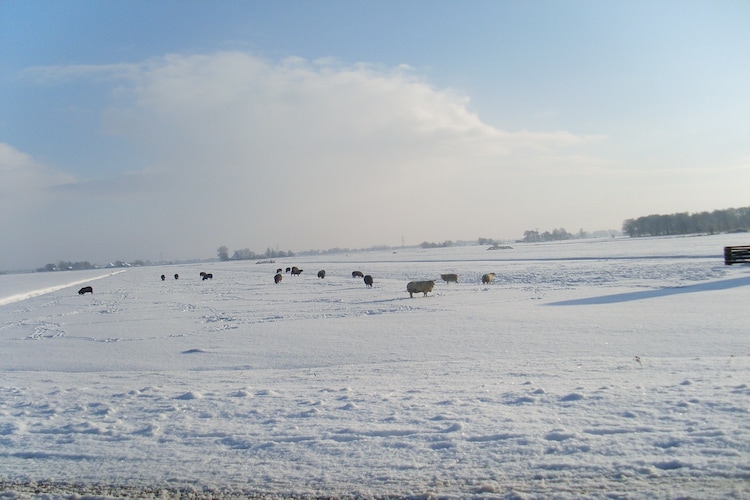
point(24, 179)
point(27, 193)
point(27, 205)
point(324, 148)
point(254, 153)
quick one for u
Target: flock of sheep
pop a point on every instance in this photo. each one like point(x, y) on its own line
point(295, 271)
point(412, 287)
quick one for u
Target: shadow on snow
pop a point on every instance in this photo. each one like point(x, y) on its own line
point(652, 294)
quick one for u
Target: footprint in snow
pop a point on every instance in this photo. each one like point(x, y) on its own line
point(242, 393)
point(190, 395)
point(558, 435)
point(573, 396)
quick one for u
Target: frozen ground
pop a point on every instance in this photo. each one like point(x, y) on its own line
point(588, 369)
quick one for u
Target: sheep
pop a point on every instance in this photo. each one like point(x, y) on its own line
point(368, 281)
point(278, 270)
point(86, 289)
point(176, 276)
point(288, 269)
point(449, 277)
point(357, 274)
point(488, 278)
point(163, 277)
point(420, 286)
point(208, 276)
point(321, 273)
point(296, 271)
point(277, 278)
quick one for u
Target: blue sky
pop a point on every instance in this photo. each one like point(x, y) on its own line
point(149, 129)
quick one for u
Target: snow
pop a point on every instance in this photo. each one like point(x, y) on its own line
point(590, 368)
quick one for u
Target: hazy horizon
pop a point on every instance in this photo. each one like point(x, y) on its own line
point(260, 252)
point(134, 130)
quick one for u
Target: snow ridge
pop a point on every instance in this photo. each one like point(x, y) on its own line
point(44, 291)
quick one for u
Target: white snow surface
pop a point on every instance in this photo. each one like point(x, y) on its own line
point(615, 368)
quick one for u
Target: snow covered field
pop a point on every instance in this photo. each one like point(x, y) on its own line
point(593, 368)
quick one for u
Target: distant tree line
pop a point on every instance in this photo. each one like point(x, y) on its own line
point(718, 221)
point(67, 266)
point(485, 241)
point(247, 254)
point(555, 235)
point(445, 244)
point(335, 250)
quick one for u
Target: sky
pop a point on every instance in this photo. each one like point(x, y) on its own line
point(164, 130)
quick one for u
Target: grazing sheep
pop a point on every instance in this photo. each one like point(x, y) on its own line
point(420, 286)
point(86, 289)
point(278, 270)
point(277, 278)
point(368, 281)
point(321, 273)
point(288, 269)
point(357, 274)
point(296, 271)
point(488, 278)
point(176, 276)
point(449, 277)
point(163, 277)
point(208, 276)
